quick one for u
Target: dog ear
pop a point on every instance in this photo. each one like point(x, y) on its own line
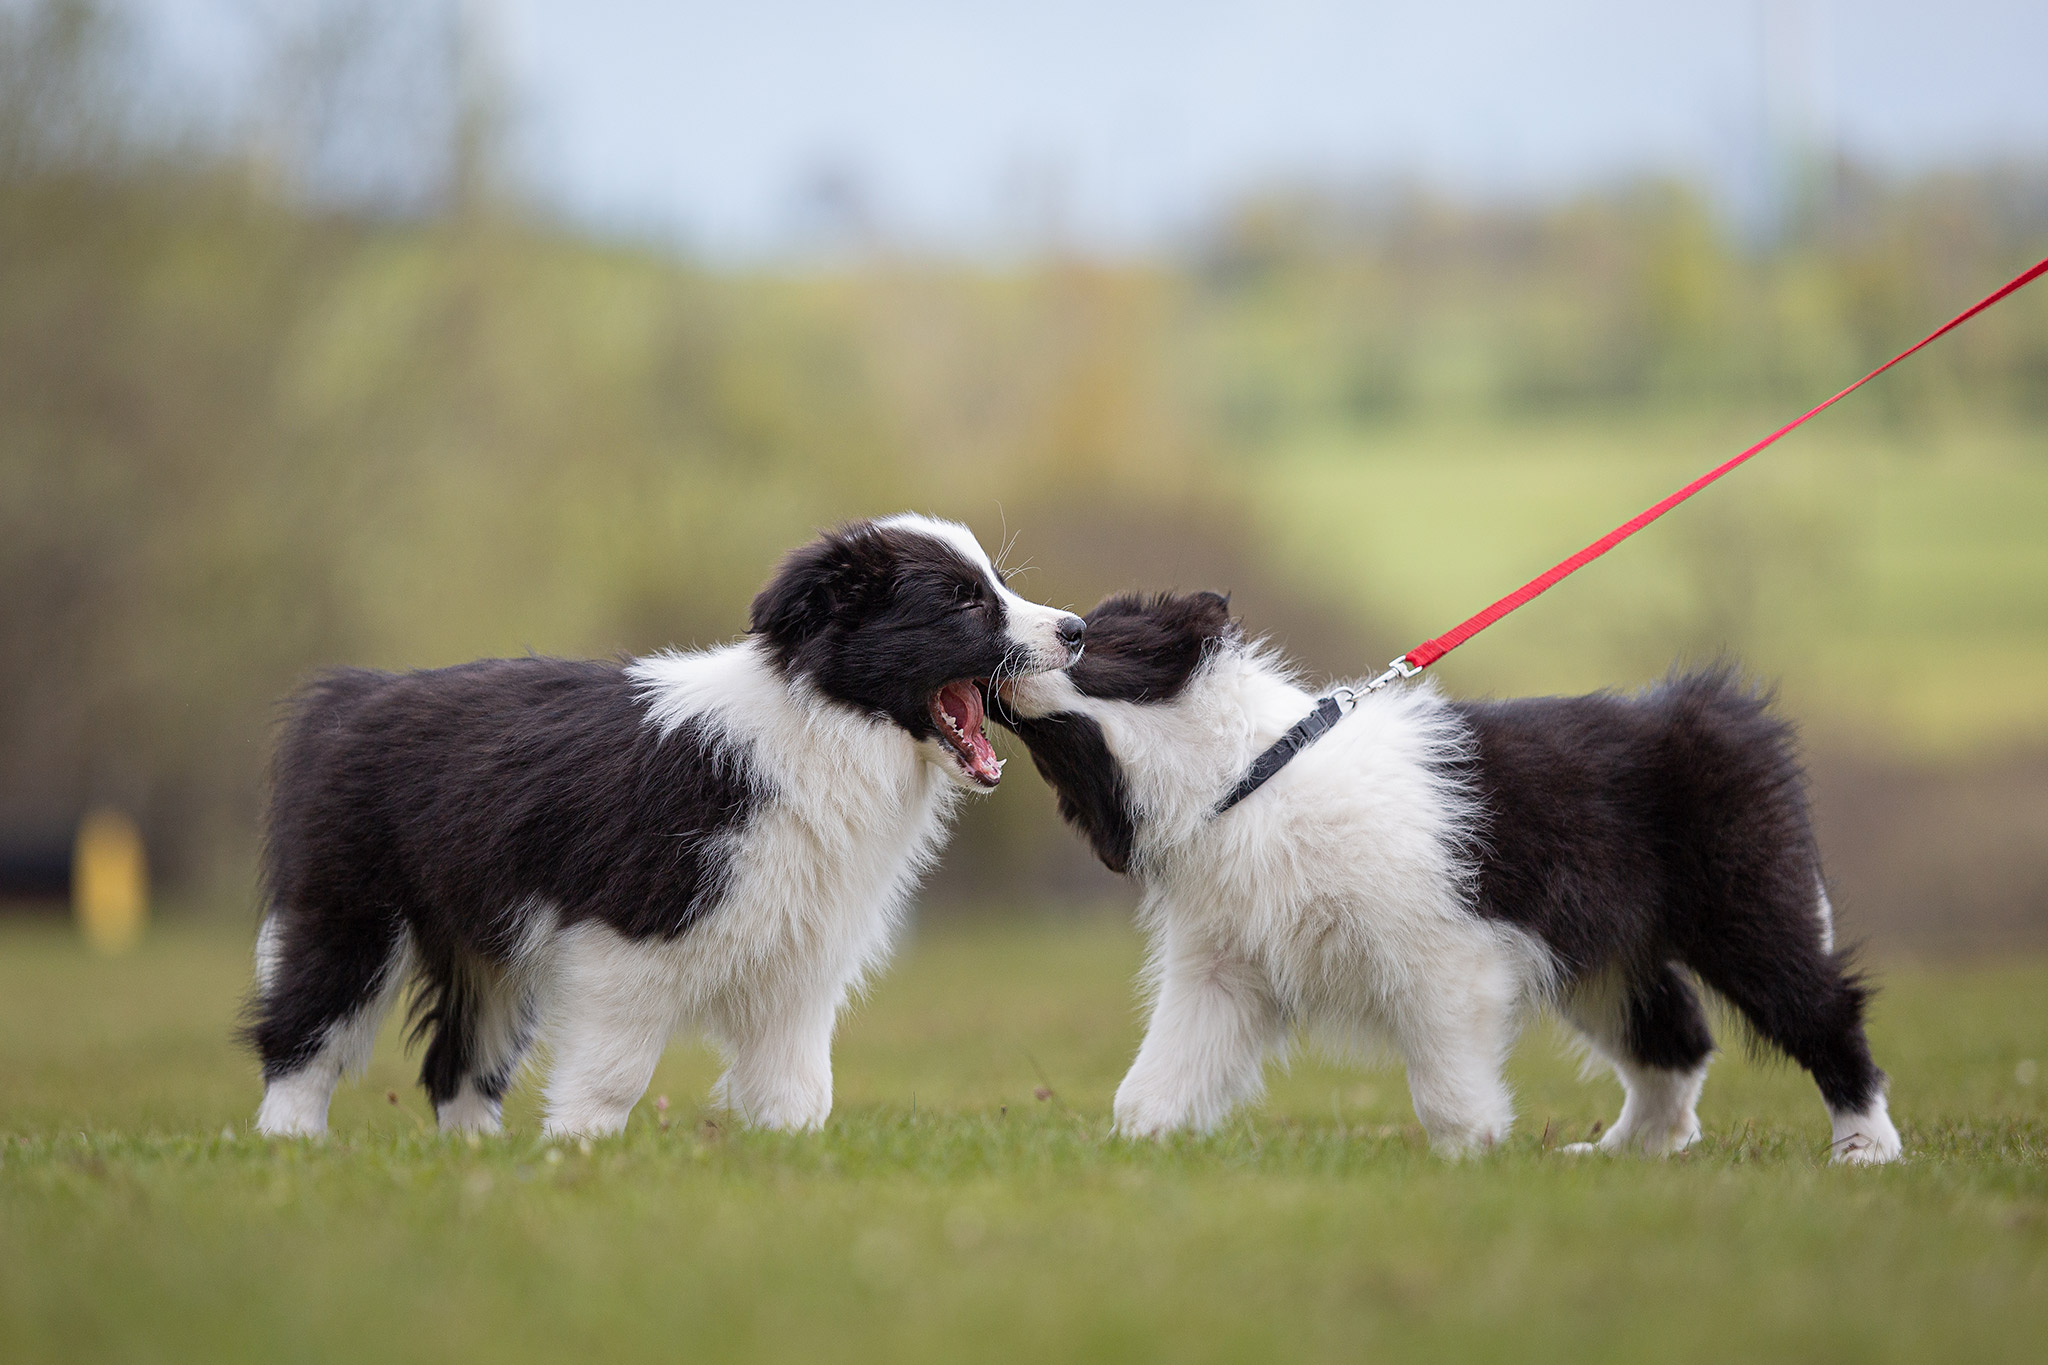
point(1117, 604)
point(840, 572)
point(799, 600)
point(1207, 615)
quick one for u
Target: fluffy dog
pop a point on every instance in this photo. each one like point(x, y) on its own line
point(1430, 871)
point(599, 854)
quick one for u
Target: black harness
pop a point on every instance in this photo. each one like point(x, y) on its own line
point(1306, 731)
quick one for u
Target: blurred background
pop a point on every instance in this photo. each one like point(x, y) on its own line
point(400, 332)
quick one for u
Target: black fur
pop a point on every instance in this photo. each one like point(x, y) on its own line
point(1645, 836)
point(439, 804)
point(880, 619)
point(1071, 755)
point(432, 810)
point(1141, 649)
point(1146, 648)
point(1630, 833)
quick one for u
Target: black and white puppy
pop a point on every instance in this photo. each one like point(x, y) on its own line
point(1430, 871)
point(597, 855)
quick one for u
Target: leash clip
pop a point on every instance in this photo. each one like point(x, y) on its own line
point(1399, 668)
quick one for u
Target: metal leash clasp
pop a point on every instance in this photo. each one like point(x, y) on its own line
point(1399, 668)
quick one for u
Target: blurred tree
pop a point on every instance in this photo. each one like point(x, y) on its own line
point(325, 391)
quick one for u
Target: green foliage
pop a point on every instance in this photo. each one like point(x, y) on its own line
point(946, 1212)
point(245, 434)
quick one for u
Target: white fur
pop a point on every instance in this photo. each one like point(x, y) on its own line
point(470, 1112)
point(1865, 1139)
point(1659, 1110)
point(1330, 901)
point(269, 952)
point(506, 1021)
point(819, 879)
point(818, 885)
point(1033, 629)
point(1659, 1113)
point(295, 1105)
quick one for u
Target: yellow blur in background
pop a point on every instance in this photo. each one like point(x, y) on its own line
point(110, 881)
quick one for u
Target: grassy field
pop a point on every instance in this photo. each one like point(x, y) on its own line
point(1894, 578)
point(949, 1213)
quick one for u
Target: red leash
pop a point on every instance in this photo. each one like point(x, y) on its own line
point(1427, 653)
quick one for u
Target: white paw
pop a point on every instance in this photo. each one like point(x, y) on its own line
point(290, 1128)
point(1865, 1149)
point(790, 1116)
point(788, 1107)
point(469, 1112)
point(1582, 1149)
point(585, 1123)
point(1866, 1139)
point(1652, 1141)
point(1141, 1115)
point(1459, 1146)
point(295, 1106)
point(1144, 1126)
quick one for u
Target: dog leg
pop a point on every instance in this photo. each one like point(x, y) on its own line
point(1865, 1137)
point(1805, 1001)
point(779, 1062)
point(1213, 1023)
point(613, 1011)
point(1658, 1113)
point(1651, 1030)
point(1454, 1031)
point(320, 999)
point(469, 1094)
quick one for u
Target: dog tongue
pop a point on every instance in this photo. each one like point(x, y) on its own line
point(962, 702)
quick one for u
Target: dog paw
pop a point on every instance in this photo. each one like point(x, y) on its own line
point(294, 1106)
point(1864, 1149)
point(792, 1116)
point(1867, 1138)
point(1149, 1118)
point(787, 1100)
point(1466, 1146)
point(585, 1122)
point(784, 1108)
point(1140, 1127)
point(469, 1112)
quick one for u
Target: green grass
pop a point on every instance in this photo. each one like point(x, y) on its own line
point(948, 1214)
point(1895, 579)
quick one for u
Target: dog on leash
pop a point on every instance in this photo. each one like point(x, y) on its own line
point(1431, 871)
point(597, 855)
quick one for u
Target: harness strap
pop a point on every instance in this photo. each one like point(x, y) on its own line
point(1304, 732)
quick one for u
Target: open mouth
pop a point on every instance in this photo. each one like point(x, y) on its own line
point(957, 711)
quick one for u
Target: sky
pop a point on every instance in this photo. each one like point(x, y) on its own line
point(753, 127)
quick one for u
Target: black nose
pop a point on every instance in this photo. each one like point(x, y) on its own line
point(1070, 630)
